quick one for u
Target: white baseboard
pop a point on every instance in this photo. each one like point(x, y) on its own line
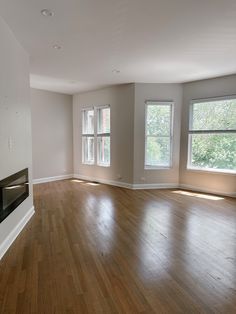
point(50, 179)
point(150, 186)
point(127, 185)
point(4, 246)
point(131, 186)
point(104, 181)
point(204, 190)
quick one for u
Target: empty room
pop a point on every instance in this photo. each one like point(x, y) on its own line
point(117, 156)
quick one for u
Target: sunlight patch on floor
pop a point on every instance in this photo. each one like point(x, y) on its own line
point(199, 195)
point(85, 182)
point(76, 180)
point(92, 183)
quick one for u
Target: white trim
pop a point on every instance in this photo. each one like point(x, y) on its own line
point(51, 179)
point(95, 135)
point(152, 186)
point(128, 185)
point(212, 170)
point(205, 190)
point(102, 106)
point(212, 99)
point(100, 135)
point(104, 181)
point(191, 132)
point(15, 232)
point(158, 167)
point(87, 135)
point(147, 186)
point(170, 136)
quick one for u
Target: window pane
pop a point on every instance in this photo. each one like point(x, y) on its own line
point(158, 151)
point(214, 115)
point(104, 150)
point(88, 122)
point(158, 119)
point(103, 120)
point(88, 150)
point(216, 151)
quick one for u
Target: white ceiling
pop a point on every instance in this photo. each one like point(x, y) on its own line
point(152, 41)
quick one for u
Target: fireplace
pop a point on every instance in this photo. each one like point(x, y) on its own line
point(13, 191)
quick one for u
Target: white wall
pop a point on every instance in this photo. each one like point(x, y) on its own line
point(128, 134)
point(52, 149)
point(15, 120)
point(52, 134)
point(215, 182)
point(121, 100)
point(168, 92)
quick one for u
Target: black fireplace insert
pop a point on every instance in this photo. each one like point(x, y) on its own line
point(13, 191)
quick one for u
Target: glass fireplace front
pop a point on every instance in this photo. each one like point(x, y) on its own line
point(13, 191)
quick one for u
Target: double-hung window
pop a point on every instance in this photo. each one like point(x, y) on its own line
point(96, 136)
point(88, 136)
point(158, 134)
point(103, 136)
point(212, 135)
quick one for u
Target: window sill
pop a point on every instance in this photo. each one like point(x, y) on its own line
point(102, 165)
point(157, 168)
point(213, 171)
point(88, 164)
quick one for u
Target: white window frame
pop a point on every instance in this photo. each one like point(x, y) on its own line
point(95, 135)
point(160, 103)
point(99, 135)
point(191, 131)
point(87, 135)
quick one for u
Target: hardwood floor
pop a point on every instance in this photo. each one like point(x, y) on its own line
point(102, 249)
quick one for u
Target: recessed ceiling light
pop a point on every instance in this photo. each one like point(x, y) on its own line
point(56, 47)
point(115, 71)
point(46, 12)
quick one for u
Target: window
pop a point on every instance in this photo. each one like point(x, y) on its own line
point(96, 133)
point(103, 136)
point(88, 136)
point(158, 134)
point(212, 135)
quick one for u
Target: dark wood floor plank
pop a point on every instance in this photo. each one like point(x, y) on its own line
point(102, 249)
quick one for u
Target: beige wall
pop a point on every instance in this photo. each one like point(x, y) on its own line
point(143, 92)
point(223, 183)
point(128, 134)
point(52, 134)
point(15, 120)
point(121, 100)
point(52, 143)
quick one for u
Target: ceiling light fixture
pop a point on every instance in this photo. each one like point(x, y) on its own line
point(115, 71)
point(57, 47)
point(47, 13)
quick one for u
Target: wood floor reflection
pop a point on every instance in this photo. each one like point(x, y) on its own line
point(102, 249)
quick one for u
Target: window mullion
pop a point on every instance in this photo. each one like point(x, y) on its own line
point(103, 135)
point(159, 135)
point(210, 131)
point(88, 135)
